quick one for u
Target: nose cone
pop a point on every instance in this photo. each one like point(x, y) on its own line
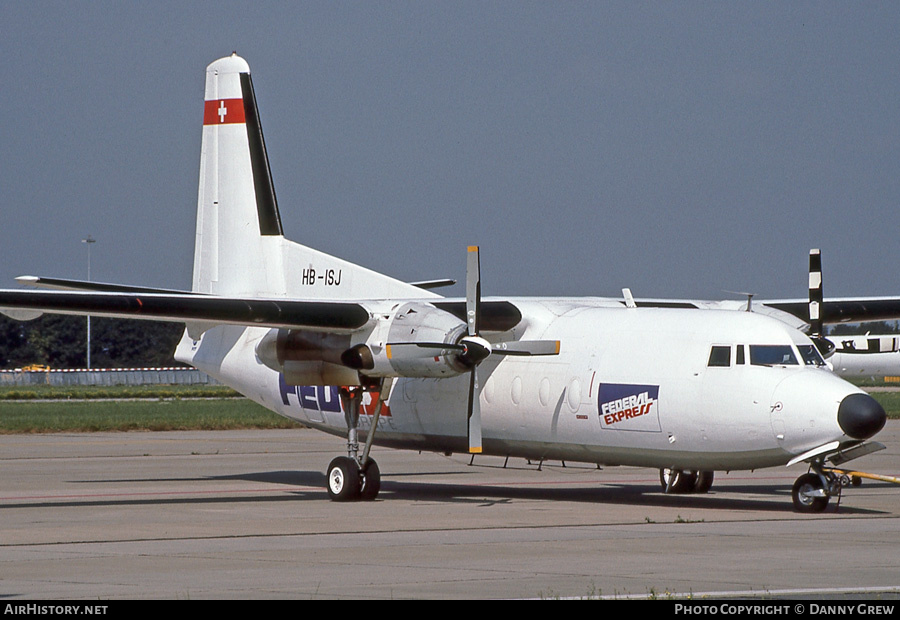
point(860, 416)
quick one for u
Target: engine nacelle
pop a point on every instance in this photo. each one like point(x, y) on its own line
point(307, 358)
point(315, 358)
point(391, 352)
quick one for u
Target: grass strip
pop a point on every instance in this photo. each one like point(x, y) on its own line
point(132, 415)
point(99, 392)
point(890, 401)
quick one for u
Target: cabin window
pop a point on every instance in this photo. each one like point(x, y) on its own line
point(720, 356)
point(810, 355)
point(772, 355)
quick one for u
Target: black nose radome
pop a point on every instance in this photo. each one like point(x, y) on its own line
point(860, 416)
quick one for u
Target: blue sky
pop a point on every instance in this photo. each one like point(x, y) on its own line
point(679, 149)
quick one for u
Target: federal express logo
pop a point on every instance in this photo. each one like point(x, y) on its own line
point(629, 407)
point(324, 398)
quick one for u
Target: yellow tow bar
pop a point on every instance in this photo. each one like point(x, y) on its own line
point(861, 474)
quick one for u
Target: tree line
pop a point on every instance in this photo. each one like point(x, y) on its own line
point(60, 341)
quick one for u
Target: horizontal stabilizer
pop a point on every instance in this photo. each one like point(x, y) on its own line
point(430, 284)
point(97, 287)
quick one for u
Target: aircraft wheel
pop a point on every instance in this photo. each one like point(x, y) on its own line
point(806, 494)
point(371, 481)
point(343, 479)
point(681, 481)
point(704, 481)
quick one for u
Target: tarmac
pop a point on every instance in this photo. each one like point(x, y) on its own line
point(245, 515)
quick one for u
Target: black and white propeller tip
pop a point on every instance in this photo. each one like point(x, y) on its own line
point(817, 305)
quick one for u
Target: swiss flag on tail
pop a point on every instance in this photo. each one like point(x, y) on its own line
point(223, 111)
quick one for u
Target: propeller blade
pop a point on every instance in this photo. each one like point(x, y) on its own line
point(816, 299)
point(815, 292)
point(526, 347)
point(474, 413)
point(405, 348)
point(473, 290)
point(476, 349)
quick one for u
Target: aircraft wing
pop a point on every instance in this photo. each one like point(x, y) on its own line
point(196, 309)
point(837, 310)
point(843, 310)
point(816, 311)
point(332, 316)
point(89, 285)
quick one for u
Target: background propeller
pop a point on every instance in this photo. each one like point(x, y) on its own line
point(816, 305)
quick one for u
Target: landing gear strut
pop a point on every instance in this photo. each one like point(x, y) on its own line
point(356, 476)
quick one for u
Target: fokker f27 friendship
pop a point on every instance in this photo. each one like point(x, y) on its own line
point(685, 387)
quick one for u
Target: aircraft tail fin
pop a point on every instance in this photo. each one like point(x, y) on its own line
point(240, 249)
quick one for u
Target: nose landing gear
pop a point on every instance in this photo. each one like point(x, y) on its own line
point(812, 491)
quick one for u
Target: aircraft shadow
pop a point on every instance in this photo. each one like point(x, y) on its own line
point(763, 497)
point(768, 499)
point(310, 485)
point(293, 478)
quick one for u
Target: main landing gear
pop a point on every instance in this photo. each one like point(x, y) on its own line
point(685, 481)
point(348, 481)
point(356, 476)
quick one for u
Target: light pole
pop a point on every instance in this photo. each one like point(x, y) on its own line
point(89, 241)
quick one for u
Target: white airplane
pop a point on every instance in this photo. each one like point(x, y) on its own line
point(870, 355)
point(685, 387)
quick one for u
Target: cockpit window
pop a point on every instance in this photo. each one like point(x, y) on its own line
point(772, 355)
point(810, 355)
point(720, 356)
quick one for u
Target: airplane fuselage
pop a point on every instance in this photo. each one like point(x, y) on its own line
point(637, 386)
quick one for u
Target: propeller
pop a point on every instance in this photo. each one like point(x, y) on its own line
point(472, 349)
point(816, 299)
point(480, 348)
